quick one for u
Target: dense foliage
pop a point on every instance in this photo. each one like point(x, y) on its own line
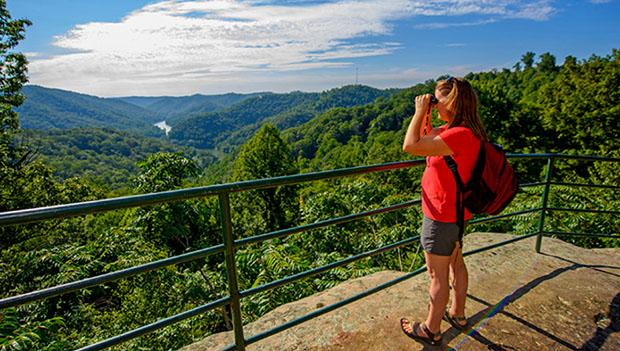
point(535, 107)
point(347, 96)
point(105, 156)
point(230, 128)
point(201, 130)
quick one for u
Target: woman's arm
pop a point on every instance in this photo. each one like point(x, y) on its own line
point(423, 145)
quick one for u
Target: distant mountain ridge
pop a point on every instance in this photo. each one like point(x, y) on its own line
point(176, 107)
point(229, 128)
point(343, 97)
point(47, 108)
point(221, 122)
point(201, 130)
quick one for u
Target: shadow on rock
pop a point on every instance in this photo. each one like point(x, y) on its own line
point(601, 335)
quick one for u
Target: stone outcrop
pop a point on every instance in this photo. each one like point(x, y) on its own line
point(566, 298)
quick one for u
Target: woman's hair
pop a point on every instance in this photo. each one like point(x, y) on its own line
point(461, 99)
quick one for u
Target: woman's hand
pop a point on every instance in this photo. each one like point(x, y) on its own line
point(422, 102)
point(415, 142)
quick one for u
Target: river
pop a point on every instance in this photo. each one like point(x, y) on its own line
point(163, 126)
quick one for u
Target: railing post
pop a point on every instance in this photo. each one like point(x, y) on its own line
point(545, 198)
point(231, 270)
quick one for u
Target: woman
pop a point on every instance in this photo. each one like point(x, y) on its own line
point(460, 137)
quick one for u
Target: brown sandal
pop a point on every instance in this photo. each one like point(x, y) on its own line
point(456, 321)
point(431, 337)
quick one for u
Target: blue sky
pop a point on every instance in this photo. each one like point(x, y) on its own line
point(182, 47)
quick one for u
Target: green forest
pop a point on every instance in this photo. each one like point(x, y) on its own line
point(104, 156)
point(227, 129)
point(536, 106)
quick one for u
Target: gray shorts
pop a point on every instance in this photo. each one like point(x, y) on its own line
point(439, 238)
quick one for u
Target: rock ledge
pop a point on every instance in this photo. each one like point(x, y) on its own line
point(566, 298)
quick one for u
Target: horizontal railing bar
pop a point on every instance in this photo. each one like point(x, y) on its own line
point(567, 157)
point(88, 207)
point(62, 289)
point(95, 206)
point(354, 298)
point(587, 185)
point(325, 223)
point(327, 309)
point(531, 184)
point(505, 242)
point(586, 158)
point(108, 277)
point(493, 218)
point(562, 209)
point(315, 271)
point(540, 156)
point(602, 235)
point(156, 325)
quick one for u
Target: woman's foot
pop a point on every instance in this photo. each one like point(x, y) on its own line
point(459, 322)
point(419, 331)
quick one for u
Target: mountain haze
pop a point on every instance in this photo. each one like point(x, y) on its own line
point(47, 108)
point(173, 108)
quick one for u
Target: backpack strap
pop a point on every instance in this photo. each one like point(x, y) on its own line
point(460, 187)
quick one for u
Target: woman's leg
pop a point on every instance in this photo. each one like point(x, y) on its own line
point(460, 281)
point(439, 291)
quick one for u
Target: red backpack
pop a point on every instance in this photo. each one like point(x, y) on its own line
point(492, 186)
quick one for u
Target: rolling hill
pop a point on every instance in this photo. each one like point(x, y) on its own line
point(174, 108)
point(47, 108)
point(230, 128)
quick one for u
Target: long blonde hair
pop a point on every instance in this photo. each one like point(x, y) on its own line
point(461, 99)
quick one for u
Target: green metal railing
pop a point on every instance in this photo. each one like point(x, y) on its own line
point(229, 245)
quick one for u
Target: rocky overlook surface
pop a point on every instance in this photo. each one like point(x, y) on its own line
point(565, 298)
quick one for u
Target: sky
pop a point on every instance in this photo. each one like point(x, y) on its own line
point(183, 47)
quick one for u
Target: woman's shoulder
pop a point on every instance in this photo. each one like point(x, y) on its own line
point(462, 130)
point(459, 137)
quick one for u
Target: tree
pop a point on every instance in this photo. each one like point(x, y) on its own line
point(13, 71)
point(165, 171)
point(528, 59)
point(547, 63)
point(266, 155)
point(570, 62)
point(179, 226)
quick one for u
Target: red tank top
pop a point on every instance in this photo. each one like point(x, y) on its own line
point(438, 185)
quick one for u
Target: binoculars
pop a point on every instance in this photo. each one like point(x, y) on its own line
point(434, 100)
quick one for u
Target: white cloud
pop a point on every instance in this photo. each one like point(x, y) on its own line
point(183, 46)
point(31, 55)
point(442, 25)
